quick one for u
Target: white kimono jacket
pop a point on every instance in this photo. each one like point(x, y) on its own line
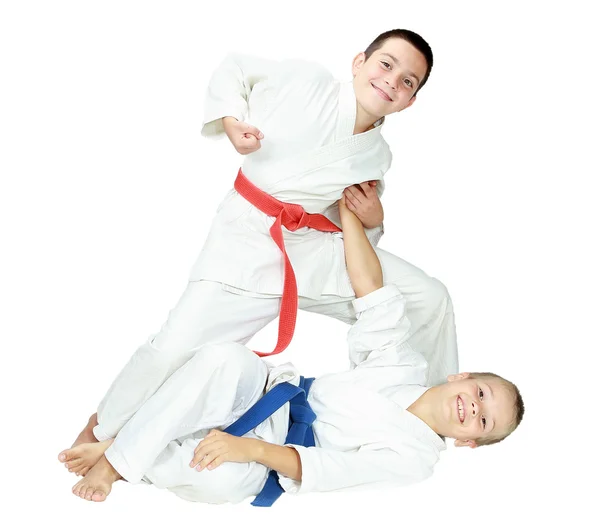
point(364, 436)
point(308, 157)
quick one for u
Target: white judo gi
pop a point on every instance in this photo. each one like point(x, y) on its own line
point(364, 436)
point(309, 155)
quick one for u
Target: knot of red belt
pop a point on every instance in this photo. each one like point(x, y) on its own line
point(290, 214)
point(292, 217)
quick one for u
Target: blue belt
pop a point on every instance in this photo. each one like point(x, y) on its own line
point(299, 432)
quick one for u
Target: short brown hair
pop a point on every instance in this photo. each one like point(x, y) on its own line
point(412, 38)
point(519, 407)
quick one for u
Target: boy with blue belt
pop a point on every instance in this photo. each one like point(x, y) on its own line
point(378, 424)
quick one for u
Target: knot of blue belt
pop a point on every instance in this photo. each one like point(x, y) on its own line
point(299, 432)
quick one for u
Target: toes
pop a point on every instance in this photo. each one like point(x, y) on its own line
point(71, 454)
point(82, 489)
point(74, 463)
point(90, 492)
point(99, 495)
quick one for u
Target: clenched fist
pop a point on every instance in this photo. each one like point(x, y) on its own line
point(243, 136)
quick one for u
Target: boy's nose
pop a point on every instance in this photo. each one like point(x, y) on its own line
point(475, 408)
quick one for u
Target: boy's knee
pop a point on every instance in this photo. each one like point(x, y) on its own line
point(440, 291)
point(435, 294)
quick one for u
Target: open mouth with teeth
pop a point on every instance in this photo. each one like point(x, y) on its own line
point(460, 408)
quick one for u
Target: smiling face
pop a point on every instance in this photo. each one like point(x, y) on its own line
point(473, 408)
point(387, 81)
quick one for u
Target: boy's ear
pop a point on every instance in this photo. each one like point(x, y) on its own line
point(465, 442)
point(357, 62)
point(458, 376)
point(410, 102)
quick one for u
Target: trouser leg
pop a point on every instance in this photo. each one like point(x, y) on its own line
point(428, 308)
point(212, 389)
point(204, 314)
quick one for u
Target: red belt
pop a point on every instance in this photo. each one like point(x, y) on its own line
point(292, 217)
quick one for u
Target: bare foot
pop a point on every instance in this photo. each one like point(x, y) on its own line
point(82, 458)
point(97, 484)
point(86, 435)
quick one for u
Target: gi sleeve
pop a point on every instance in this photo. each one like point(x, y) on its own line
point(378, 337)
point(229, 89)
point(328, 470)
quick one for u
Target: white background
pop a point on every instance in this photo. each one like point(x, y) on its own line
point(108, 190)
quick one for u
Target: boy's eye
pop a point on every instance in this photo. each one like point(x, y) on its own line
point(386, 64)
point(483, 421)
point(408, 83)
point(480, 393)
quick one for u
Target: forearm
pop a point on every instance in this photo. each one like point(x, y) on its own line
point(362, 262)
point(283, 459)
point(227, 120)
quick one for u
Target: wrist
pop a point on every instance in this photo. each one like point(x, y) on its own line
point(227, 122)
point(350, 220)
point(257, 450)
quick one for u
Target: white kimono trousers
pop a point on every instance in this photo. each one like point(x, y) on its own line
point(364, 436)
point(309, 155)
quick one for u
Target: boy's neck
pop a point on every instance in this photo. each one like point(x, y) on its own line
point(364, 122)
